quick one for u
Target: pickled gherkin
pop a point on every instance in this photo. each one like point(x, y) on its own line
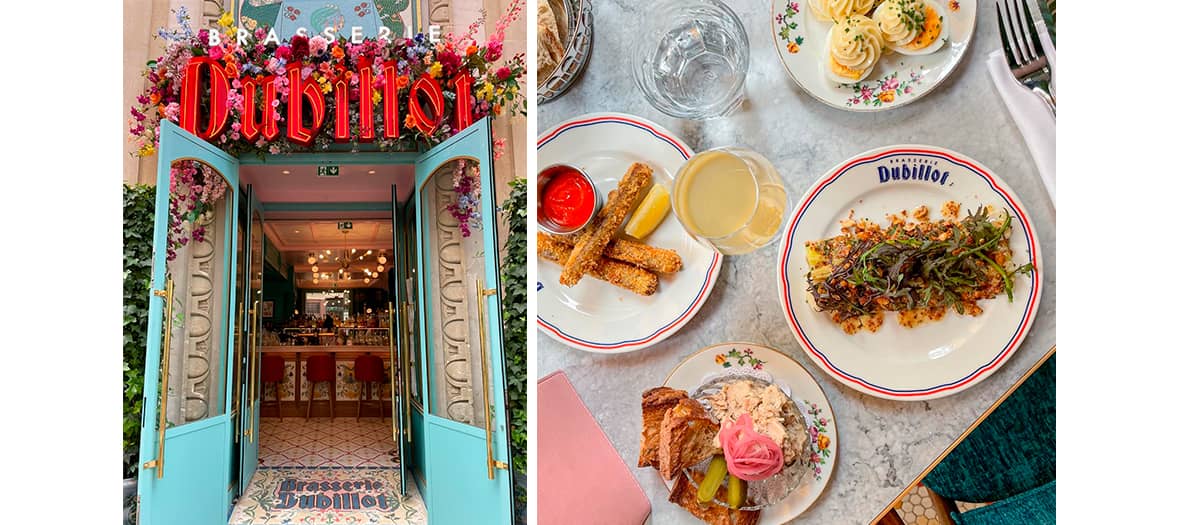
point(737, 492)
point(712, 481)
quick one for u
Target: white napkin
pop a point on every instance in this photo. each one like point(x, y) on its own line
point(1033, 119)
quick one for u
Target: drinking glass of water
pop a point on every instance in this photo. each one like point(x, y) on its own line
point(693, 64)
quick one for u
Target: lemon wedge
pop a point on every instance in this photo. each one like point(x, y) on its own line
point(650, 213)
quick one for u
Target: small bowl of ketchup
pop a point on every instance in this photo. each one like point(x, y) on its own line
point(566, 200)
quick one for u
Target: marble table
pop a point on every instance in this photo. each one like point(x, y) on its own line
point(884, 445)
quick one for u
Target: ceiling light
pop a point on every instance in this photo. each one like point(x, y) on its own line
point(321, 256)
point(311, 258)
point(353, 250)
point(367, 282)
point(372, 172)
point(370, 252)
point(296, 231)
point(381, 258)
point(315, 268)
point(315, 281)
point(381, 267)
point(286, 172)
point(329, 252)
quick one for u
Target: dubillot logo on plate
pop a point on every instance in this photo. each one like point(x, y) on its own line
point(913, 168)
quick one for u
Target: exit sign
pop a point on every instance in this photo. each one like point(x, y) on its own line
point(346, 225)
point(328, 171)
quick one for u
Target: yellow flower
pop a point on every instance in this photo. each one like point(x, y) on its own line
point(485, 92)
point(792, 48)
point(147, 150)
point(226, 19)
point(376, 97)
point(436, 69)
point(822, 441)
point(719, 359)
point(886, 96)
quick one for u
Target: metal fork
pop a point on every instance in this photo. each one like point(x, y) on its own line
point(1022, 48)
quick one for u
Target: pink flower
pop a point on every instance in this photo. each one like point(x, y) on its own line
point(503, 73)
point(890, 84)
point(908, 89)
point(172, 111)
point(495, 50)
point(216, 53)
point(318, 45)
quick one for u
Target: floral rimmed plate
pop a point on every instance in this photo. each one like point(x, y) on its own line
point(596, 316)
point(936, 358)
point(802, 388)
point(896, 80)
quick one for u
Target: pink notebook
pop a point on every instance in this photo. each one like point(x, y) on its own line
point(581, 480)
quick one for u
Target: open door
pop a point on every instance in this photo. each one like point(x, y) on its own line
point(251, 385)
point(188, 426)
point(398, 349)
point(466, 427)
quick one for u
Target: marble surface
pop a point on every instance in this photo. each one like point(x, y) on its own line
point(884, 445)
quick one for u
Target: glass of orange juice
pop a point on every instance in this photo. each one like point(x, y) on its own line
point(730, 198)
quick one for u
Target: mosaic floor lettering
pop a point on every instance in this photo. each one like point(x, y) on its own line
point(313, 496)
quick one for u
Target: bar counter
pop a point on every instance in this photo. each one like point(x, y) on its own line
point(347, 388)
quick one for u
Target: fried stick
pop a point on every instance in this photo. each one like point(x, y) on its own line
point(659, 260)
point(589, 247)
point(614, 272)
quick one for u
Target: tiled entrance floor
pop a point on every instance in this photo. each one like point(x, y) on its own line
point(325, 443)
point(314, 496)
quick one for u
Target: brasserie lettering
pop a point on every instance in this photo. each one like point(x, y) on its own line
point(337, 495)
point(924, 172)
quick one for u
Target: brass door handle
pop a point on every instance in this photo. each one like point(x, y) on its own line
point(493, 463)
point(394, 376)
point(253, 367)
point(166, 350)
point(405, 328)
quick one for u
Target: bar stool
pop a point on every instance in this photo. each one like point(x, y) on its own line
point(369, 369)
point(322, 369)
point(273, 370)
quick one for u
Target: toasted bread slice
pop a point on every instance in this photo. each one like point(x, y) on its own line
point(686, 437)
point(684, 494)
point(656, 402)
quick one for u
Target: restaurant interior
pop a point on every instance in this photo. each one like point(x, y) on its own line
point(326, 398)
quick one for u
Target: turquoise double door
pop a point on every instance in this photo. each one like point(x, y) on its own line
point(200, 437)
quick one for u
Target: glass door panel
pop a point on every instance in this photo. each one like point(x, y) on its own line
point(456, 265)
point(252, 386)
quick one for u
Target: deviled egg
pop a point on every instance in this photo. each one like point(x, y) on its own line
point(911, 27)
point(854, 46)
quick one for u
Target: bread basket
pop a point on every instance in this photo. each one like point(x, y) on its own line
point(577, 51)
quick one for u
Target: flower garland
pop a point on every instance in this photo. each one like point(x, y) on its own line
point(195, 190)
point(495, 86)
point(465, 208)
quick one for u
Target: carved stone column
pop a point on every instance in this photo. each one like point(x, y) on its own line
point(452, 353)
point(200, 337)
point(439, 13)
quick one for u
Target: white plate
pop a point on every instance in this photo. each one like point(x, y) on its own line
point(934, 359)
point(803, 389)
point(896, 80)
point(596, 316)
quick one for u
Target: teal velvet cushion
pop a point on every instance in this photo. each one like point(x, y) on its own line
point(1035, 507)
point(1013, 451)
